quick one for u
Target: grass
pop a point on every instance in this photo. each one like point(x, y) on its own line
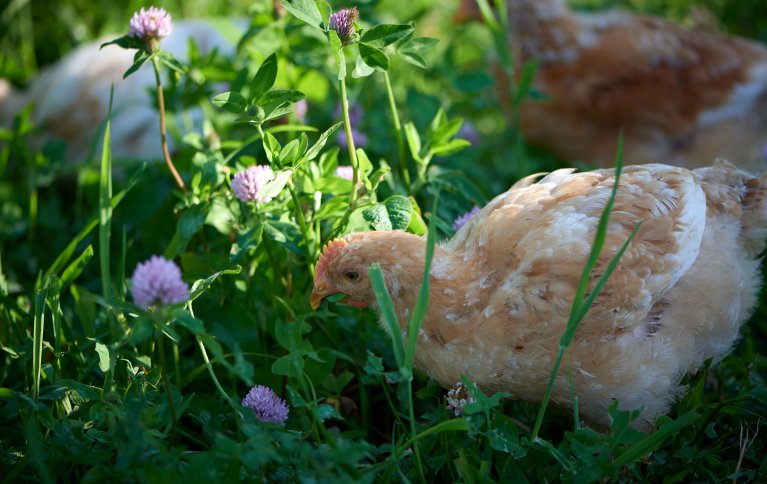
point(93, 387)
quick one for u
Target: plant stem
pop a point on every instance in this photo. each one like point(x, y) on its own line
point(166, 380)
point(413, 433)
point(397, 131)
point(213, 377)
point(310, 255)
point(163, 136)
point(349, 142)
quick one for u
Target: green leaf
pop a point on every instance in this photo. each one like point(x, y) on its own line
point(230, 101)
point(272, 147)
point(249, 239)
point(417, 225)
point(305, 10)
point(377, 217)
point(126, 42)
point(312, 152)
point(171, 62)
point(374, 57)
point(413, 141)
point(278, 113)
point(136, 65)
point(265, 76)
point(414, 59)
point(76, 268)
point(274, 187)
point(361, 69)
point(374, 364)
point(525, 82)
point(202, 285)
point(290, 152)
point(278, 97)
point(188, 225)
point(386, 34)
point(324, 411)
point(399, 210)
point(451, 147)
point(104, 358)
point(365, 166)
point(185, 319)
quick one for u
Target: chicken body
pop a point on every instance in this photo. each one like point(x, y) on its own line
point(71, 97)
point(501, 290)
point(682, 96)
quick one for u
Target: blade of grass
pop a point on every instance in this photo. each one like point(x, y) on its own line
point(581, 304)
point(655, 440)
point(54, 305)
point(422, 303)
point(387, 310)
point(37, 340)
point(105, 201)
point(452, 425)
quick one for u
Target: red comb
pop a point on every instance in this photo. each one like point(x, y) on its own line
point(329, 253)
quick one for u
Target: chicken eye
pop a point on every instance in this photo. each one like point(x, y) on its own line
point(352, 276)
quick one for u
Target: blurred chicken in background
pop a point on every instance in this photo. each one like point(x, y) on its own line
point(683, 97)
point(71, 97)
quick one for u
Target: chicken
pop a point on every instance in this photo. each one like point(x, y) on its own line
point(682, 96)
point(501, 289)
point(72, 96)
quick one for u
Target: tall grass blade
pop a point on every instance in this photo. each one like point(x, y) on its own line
point(37, 340)
point(581, 304)
point(105, 201)
point(422, 303)
point(387, 311)
point(54, 304)
point(653, 441)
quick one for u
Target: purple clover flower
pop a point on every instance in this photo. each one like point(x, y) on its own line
point(346, 172)
point(461, 220)
point(248, 183)
point(267, 406)
point(151, 23)
point(343, 23)
point(158, 281)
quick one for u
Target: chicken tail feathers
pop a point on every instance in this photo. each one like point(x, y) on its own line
point(736, 193)
point(754, 221)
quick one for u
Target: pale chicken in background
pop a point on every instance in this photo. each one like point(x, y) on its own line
point(71, 97)
point(684, 97)
point(501, 289)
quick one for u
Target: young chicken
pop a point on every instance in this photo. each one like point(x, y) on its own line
point(683, 96)
point(501, 289)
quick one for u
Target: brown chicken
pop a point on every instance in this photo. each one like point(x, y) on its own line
point(682, 96)
point(502, 287)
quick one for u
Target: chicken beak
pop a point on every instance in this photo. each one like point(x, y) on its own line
point(319, 293)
